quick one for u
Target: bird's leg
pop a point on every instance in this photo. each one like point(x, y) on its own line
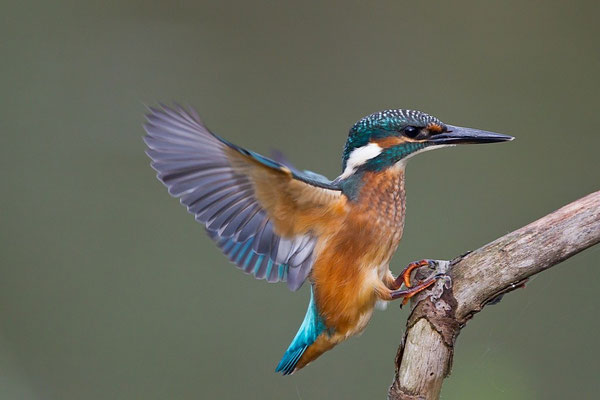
point(404, 276)
point(411, 291)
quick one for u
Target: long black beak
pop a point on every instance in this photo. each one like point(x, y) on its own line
point(459, 135)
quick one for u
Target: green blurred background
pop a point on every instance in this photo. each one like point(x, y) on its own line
point(110, 290)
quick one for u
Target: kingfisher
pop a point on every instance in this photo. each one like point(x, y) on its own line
point(282, 224)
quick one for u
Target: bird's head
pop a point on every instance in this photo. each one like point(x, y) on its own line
point(388, 138)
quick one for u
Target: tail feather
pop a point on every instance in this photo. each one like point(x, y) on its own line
point(311, 328)
point(288, 362)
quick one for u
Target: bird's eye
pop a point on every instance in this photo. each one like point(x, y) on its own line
point(411, 132)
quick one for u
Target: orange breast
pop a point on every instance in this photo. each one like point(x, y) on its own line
point(355, 252)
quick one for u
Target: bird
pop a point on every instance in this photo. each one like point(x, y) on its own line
point(282, 224)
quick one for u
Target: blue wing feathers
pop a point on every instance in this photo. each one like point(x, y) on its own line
point(243, 255)
point(194, 165)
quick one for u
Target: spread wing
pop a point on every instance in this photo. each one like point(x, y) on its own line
point(259, 212)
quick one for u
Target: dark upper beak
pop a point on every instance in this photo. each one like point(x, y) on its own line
point(458, 135)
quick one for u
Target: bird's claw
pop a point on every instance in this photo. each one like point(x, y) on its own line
point(441, 268)
point(404, 276)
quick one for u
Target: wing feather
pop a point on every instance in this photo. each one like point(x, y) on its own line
point(261, 213)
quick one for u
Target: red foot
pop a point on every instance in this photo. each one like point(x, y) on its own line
point(404, 276)
point(410, 292)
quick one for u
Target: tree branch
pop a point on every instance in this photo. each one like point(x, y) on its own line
point(424, 358)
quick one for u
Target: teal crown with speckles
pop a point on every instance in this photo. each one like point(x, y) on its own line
point(383, 124)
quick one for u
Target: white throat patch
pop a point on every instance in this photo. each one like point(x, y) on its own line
point(359, 156)
point(402, 162)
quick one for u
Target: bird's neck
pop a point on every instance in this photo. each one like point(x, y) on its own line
point(380, 194)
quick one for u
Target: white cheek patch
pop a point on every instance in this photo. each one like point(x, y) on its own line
point(360, 156)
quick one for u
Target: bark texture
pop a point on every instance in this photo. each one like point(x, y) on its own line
point(424, 358)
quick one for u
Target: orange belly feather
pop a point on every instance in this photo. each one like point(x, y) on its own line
point(353, 253)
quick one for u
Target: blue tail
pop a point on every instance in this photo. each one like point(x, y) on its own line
point(311, 328)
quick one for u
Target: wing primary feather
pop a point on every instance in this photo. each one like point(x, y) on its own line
point(232, 227)
point(242, 252)
point(261, 239)
point(210, 210)
point(222, 218)
point(273, 275)
point(274, 247)
point(220, 183)
point(233, 251)
point(207, 195)
point(231, 203)
point(262, 270)
point(249, 228)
